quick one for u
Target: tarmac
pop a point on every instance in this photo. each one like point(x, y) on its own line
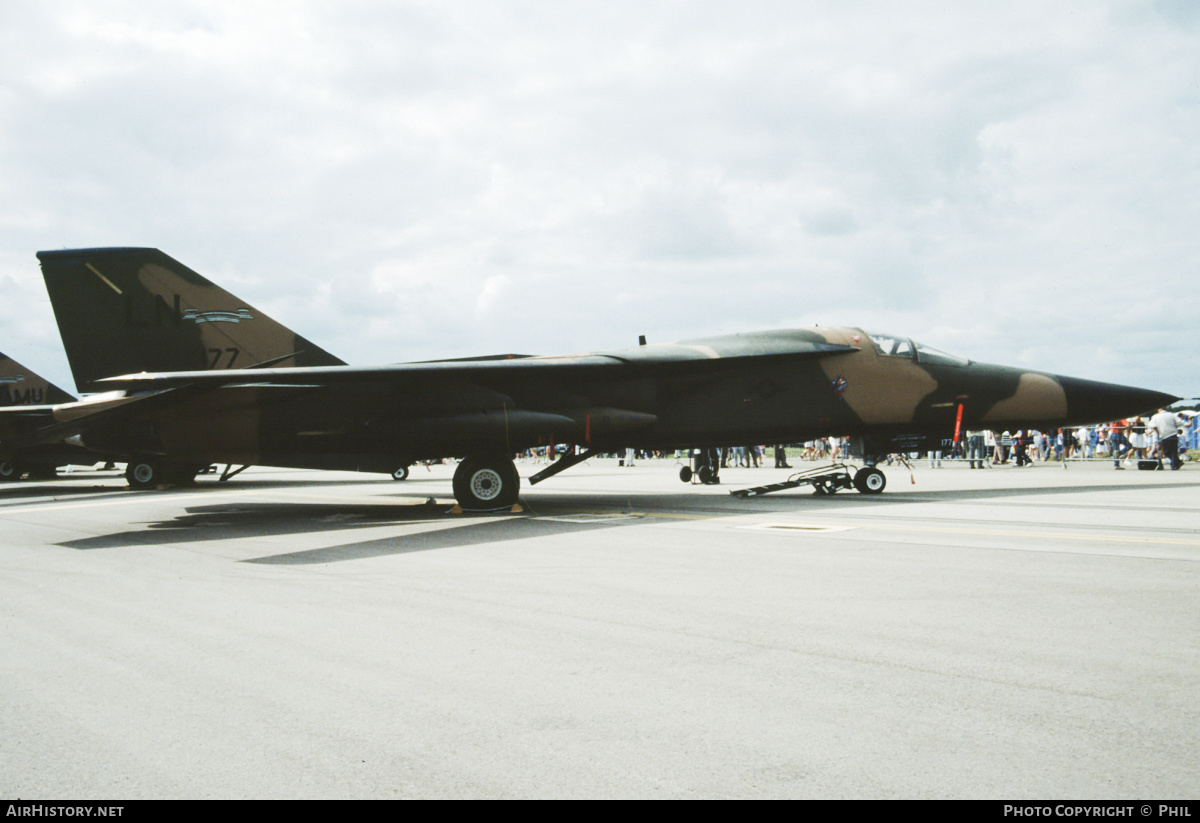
point(1005, 634)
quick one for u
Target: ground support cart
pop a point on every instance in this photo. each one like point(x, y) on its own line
point(825, 480)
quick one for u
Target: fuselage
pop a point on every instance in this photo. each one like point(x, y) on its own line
point(760, 387)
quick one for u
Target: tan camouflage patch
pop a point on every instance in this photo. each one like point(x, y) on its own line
point(866, 371)
point(1038, 397)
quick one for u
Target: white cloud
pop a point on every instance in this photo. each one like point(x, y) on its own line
point(541, 176)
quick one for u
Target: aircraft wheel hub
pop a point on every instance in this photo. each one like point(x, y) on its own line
point(486, 484)
point(870, 481)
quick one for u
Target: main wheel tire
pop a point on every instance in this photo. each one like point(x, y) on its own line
point(685, 474)
point(10, 470)
point(144, 474)
point(400, 473)
point(486, 482)
point(870, 481)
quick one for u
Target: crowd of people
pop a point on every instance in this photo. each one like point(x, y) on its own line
point(1164, 436)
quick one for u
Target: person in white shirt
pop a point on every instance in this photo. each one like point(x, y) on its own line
point(1166, 424)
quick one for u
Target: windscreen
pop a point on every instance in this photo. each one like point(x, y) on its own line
point(891, 345)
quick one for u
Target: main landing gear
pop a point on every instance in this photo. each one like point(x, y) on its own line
point(486, 482)
point(704, 466)
point(149, 473)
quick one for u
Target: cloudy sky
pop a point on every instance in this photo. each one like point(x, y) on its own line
point(1015, 182)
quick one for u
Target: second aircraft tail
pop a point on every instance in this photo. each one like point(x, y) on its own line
point(21, 387)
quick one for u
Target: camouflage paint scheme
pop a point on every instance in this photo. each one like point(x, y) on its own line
point(122, 311)
point(20, 386)
point(144, 311)
point(26, 394)
point(772, 386)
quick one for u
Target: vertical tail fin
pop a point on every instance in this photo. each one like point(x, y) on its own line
point(21, 387)
point(128, 310)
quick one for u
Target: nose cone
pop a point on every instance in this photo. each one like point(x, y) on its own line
point(1089, 401)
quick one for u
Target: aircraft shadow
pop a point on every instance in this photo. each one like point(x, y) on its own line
point(470, 534)
point(240, 520)
point(114, 483)
point(546, 515)
point(23, 489)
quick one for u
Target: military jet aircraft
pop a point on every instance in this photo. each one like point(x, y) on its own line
point(25, 393)
point(21, 386)
point(116, 325)
point(884, 391)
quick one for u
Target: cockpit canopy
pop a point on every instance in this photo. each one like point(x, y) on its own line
point(890, 345)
